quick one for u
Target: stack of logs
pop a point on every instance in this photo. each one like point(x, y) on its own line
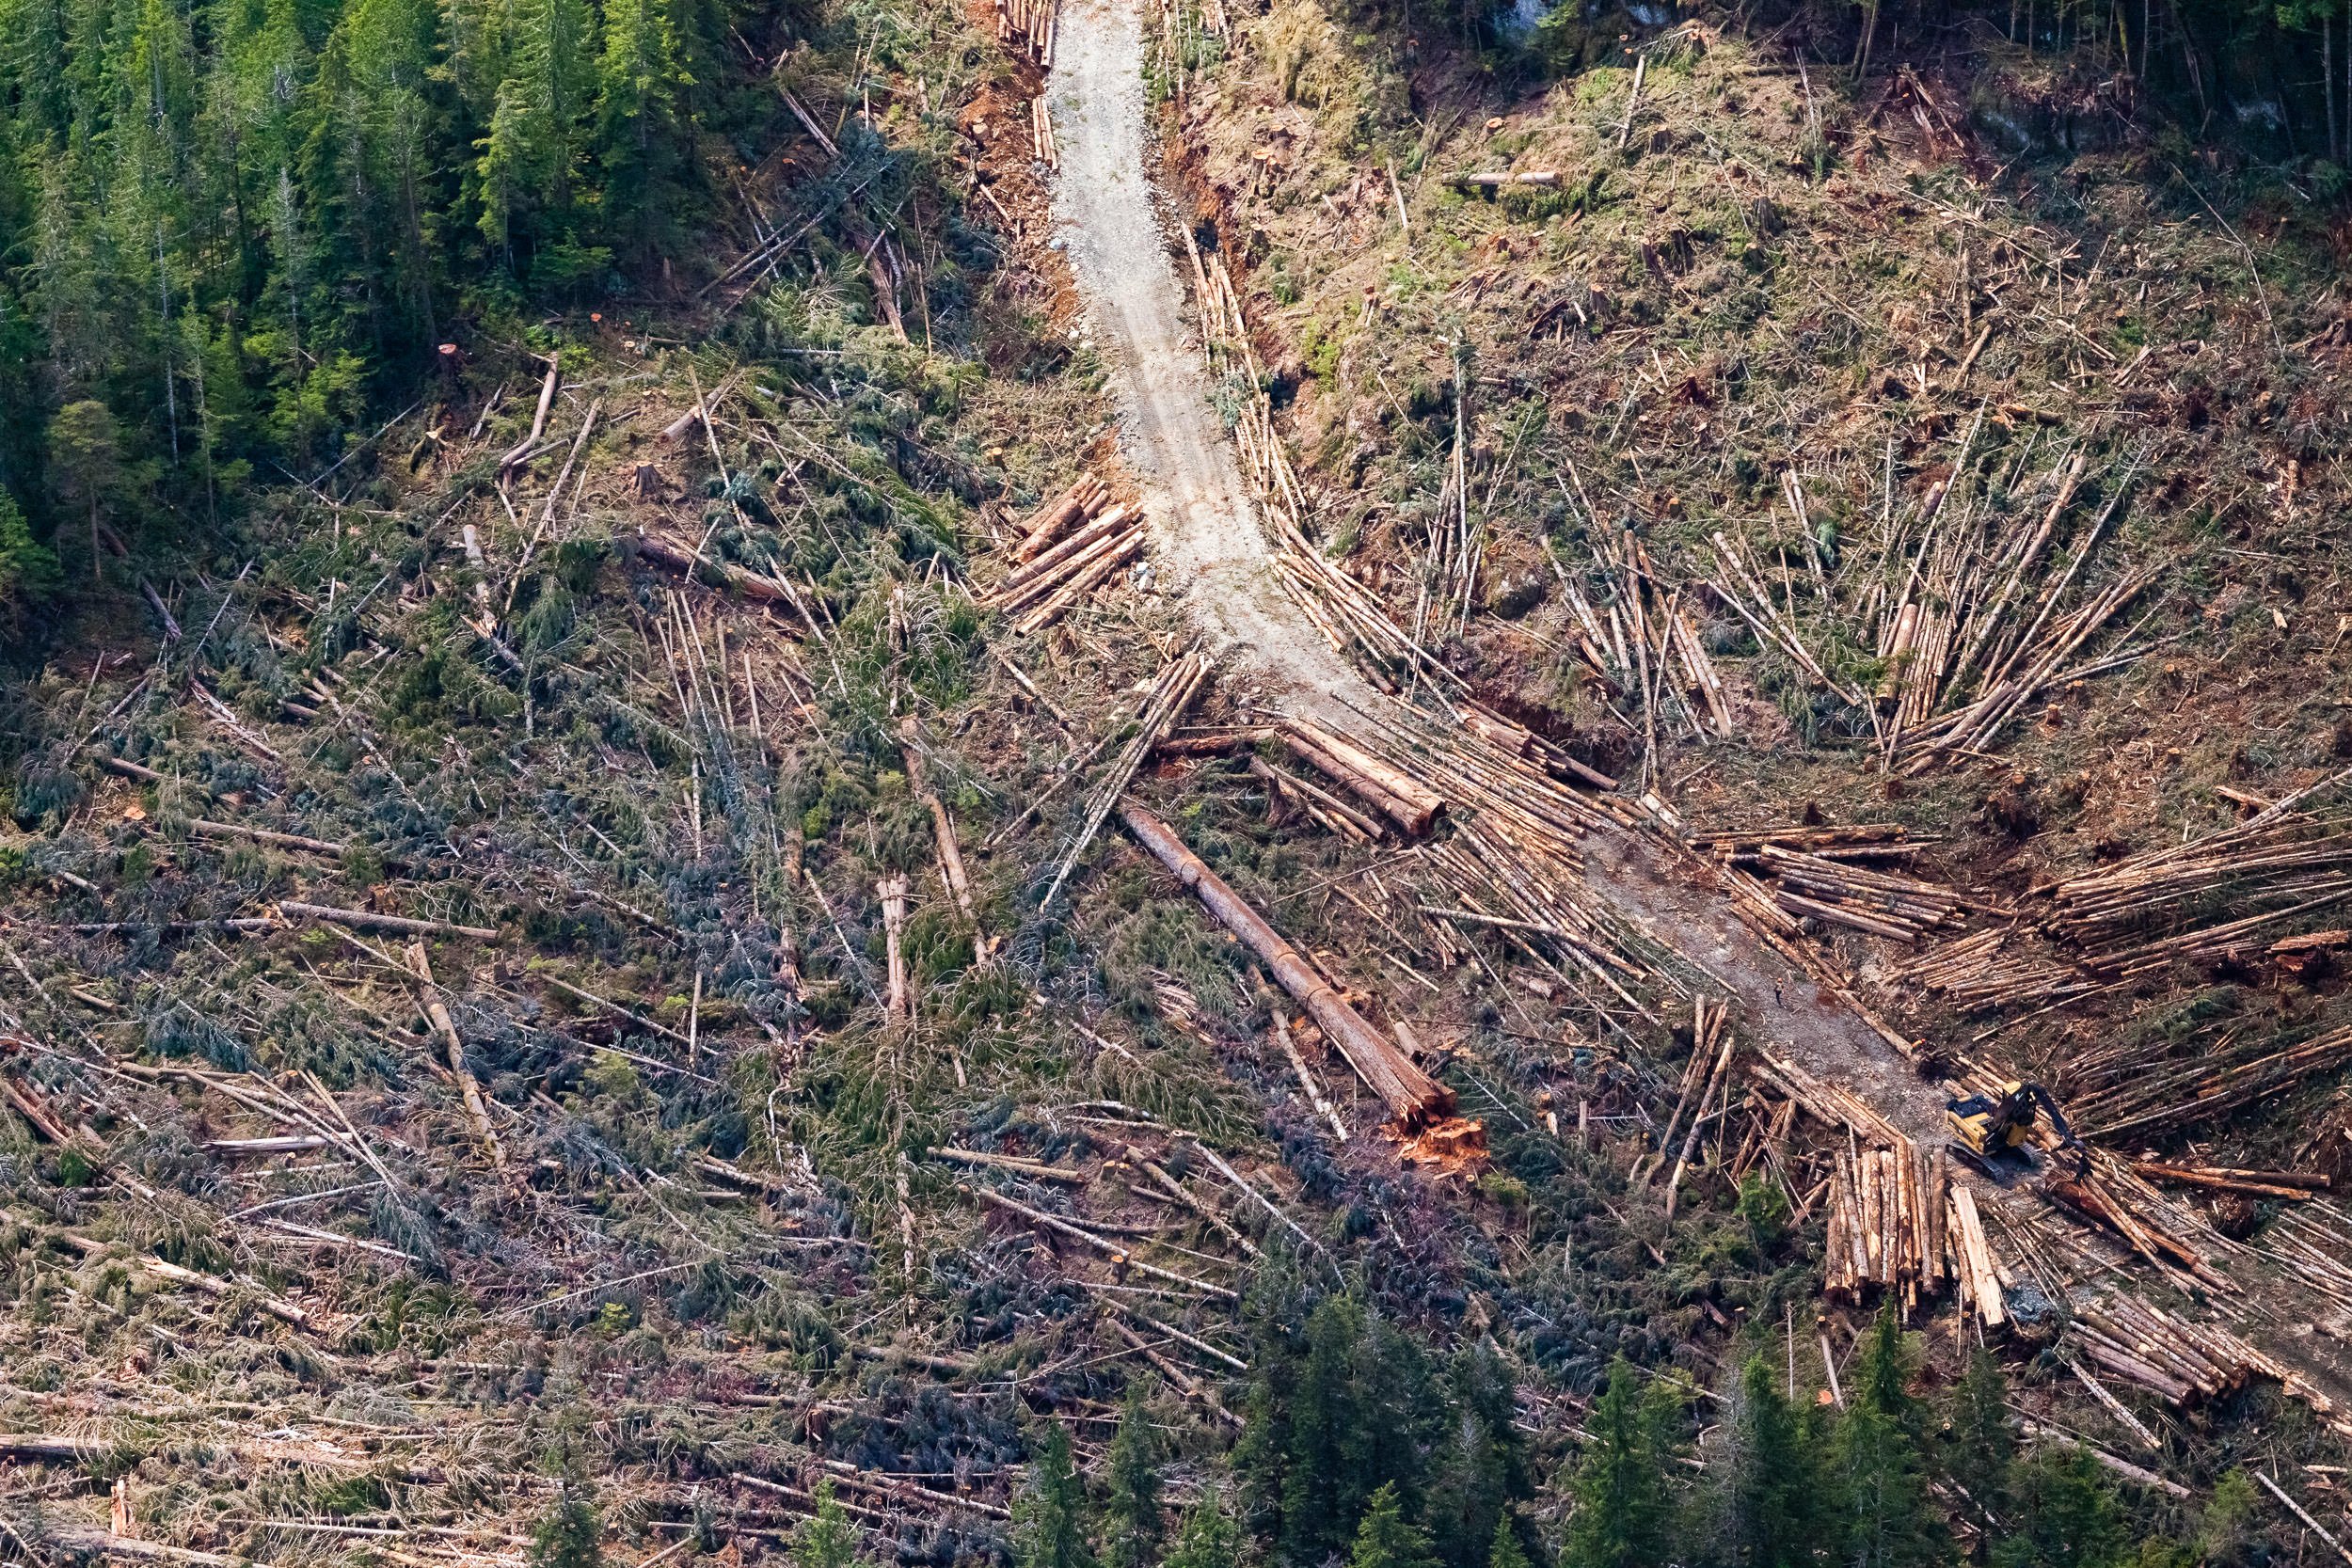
point(1030, 27)
point(1708, 1030)
point(2278, 866)
point(1389, 791)
point(1900, 1224)
point(1069, 547)
point(2179, 1361)
point(1987, 969)
point(1886, 1223)
point(1902, 909)
point(1042, 134)
point(1512, 868)
point(1897, 1222)
point(1818, 877)
point(1830, 1103)
point(2130, 1090)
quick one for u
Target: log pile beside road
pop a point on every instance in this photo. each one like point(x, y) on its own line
point(2179, 1361)
point(1995, 968)
point(1030, 28)
point(2126, 1092)
point(1901, 908)
point(1069, 547)
point(1887, 1223)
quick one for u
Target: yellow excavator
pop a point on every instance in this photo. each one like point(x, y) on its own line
point(1987, 1125)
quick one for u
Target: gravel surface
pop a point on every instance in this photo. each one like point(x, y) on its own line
point(1207, 542)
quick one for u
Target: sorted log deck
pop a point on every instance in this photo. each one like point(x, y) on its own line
point(1854, 841)
point(2142, 1097)
point(1975, 1266)
point(1888, 1223)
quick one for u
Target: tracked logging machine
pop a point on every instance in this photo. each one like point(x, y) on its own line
point(1988, 1125)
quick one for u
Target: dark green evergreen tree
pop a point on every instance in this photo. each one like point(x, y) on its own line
point(1979, 1443)
point(571, 1535)
point(1276, 1308)
point(1131, 1527)
point(28, 569)
point(1261, 1460)
point(1322, 1483)
point(1773, 1512)
point(1482, 1465)
point(1877, 1466)
point(1398, 1388)
point(1049, 1518)
point(86, 459)
point(1386, 1538)
point(1623, 1506)
point(638, 142)
point(2062, 1513)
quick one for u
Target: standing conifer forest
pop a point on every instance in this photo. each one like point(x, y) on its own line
point(1175, 783)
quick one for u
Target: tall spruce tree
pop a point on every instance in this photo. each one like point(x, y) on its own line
point(1877, 1465)
point(1979, 1445)
point(1131, 1527)
point(1772, 1505)
point(86, 459)
point(1397, 1388)
point(1049, 1518)
point(1482, 1466)
point(1322, 1483)
point(1624, 1508)
point(1388, 1538)
point(638, 139)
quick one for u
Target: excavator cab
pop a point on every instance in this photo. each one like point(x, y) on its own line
point(1990, 1125)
